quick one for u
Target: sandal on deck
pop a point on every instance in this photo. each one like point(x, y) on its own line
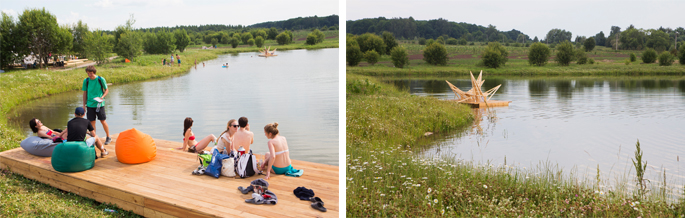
point(319, 206)
point(316, 199)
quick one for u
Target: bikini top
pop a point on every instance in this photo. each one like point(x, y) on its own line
point(280, 152)
point(192, 137)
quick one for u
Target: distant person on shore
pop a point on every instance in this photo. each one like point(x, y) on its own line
point(203, 64)
point(178, 59)
point(195, 61)
point(78, 128)
point(94, 92)
point(45, 132)
point(225, 143)
point(189, 143)
point(277, 160)
point(243, 138)
point(164, 62)
point(171, 63)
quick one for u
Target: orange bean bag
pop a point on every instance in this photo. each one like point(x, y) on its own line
point(135, 147)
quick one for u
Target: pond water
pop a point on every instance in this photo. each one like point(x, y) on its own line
point(579, 123)
point(298, 89)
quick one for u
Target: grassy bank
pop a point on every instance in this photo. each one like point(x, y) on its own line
point(385, 177)
point(22, 197)
point(463, 59)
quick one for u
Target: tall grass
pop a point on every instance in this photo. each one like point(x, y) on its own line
point(386, 177)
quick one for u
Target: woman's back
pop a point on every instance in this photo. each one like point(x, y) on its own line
point(281, 151)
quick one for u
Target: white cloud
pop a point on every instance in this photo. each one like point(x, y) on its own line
point(10, 12)
point(104, 3)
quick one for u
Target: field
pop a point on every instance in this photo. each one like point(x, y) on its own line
point(25, 198)
point(386, 127)
point(465, 58)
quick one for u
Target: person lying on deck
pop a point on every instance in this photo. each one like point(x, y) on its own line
point(277, 160)
point(189, 143)
point(45, 132)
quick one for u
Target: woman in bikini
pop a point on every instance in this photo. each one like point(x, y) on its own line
point(225, 144)
point(43, 131)
point(277, 160)
point(189, 143)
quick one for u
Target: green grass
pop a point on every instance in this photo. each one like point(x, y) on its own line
point(385, 176)
point(22, 197)
point(607, 62)
point(299, 37)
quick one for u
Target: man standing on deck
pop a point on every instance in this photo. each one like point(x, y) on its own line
point(243, 137)
point(94, 92)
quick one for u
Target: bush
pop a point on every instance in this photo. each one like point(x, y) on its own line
point(429, 42)
point(235, 41)
point(389, 41)
point(463, 41)
point(283, 38)
point(250, 42)
point(495, 55)
point(649, 56)
point(627, 61)
point(435, 54)
point(538, 54)
point(581, 57)
point(452, 41)
point(422, 41)
point(591, 61)
point(666, 59)
point(370, 41)
point(632, 57)
point(399, 57)
point(259, 41)
point(681, 56)
point(354, 54)
point(565, 53)
point(472, 43)
point(311, 39)
point(320, 36)
point(371, 57)
point(589, 44)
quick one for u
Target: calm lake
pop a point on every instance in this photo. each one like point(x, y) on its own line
point(298, 89)
point(572, 122)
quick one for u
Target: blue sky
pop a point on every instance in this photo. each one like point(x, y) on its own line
point(107, 14)
point(535, 18)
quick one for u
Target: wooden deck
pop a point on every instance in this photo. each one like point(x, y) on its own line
point(164, 187)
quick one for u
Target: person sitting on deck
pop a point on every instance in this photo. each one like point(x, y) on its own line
point(45, 132)
point(225, 143)
point(243, 138)
point(79, 127)
point(277, 160)
point(189, 143)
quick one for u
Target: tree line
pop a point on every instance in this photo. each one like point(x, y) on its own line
point(301, 23)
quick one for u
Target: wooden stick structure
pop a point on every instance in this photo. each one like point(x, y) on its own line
point(266, 52)
point(475, 96)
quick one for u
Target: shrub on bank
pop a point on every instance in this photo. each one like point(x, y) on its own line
point(581, 57)
point(681, 56)
point(353, 54)
point(666, 59)
point(632, 57)
point(649, 56)
point(495, 55)
point(565, 53)
point(435, 54)
point(538, 54)
point(371, 57)
point(399, 56)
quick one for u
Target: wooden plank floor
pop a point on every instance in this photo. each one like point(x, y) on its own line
point(164, 187)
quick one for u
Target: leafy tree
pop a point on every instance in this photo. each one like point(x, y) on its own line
point(272, 33)
point(440, 40)
point(182, 39)
point(235, 41)
point(79, 31)
point(589, 44)
point(283, 39)
point(354, 54)
point(422, 41)
point(538, 54)
point(245, 37)
point(214, 42)
point(452, 41)
point(681, 56)
point(666, 59)
point(311, 39)
point(370, 41)
point(250, 42)
point(320, 36)
point(632, 57)
point(581, 57)
point(399, 57)
point(600, 39)
point(225, 39)
point(557, 35)
point(38, 29)
point(462, 41)
point(290, 34)
point(649, 56)
point(658, 40)
point(97, 45)
point(63, 40)
point(632, 38)
point(389, 40)
point(536, 39)
point(261, 33)
point(259, 41)
point(371, 57)
point(495, 55)
point(129, 44)
point(565, 53)
point(435, 54)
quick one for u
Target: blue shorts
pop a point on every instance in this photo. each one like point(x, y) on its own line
point(283, 170)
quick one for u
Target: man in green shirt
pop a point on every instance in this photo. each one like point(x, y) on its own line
point(94, 92)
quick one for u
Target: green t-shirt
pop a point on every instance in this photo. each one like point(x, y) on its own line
point(94, 90)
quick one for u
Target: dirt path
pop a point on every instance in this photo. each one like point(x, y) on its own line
point(85, 65)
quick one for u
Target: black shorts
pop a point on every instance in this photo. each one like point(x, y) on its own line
point(91, 114)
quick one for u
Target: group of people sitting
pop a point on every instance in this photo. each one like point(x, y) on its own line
point(77, 129)
point(237, 139)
